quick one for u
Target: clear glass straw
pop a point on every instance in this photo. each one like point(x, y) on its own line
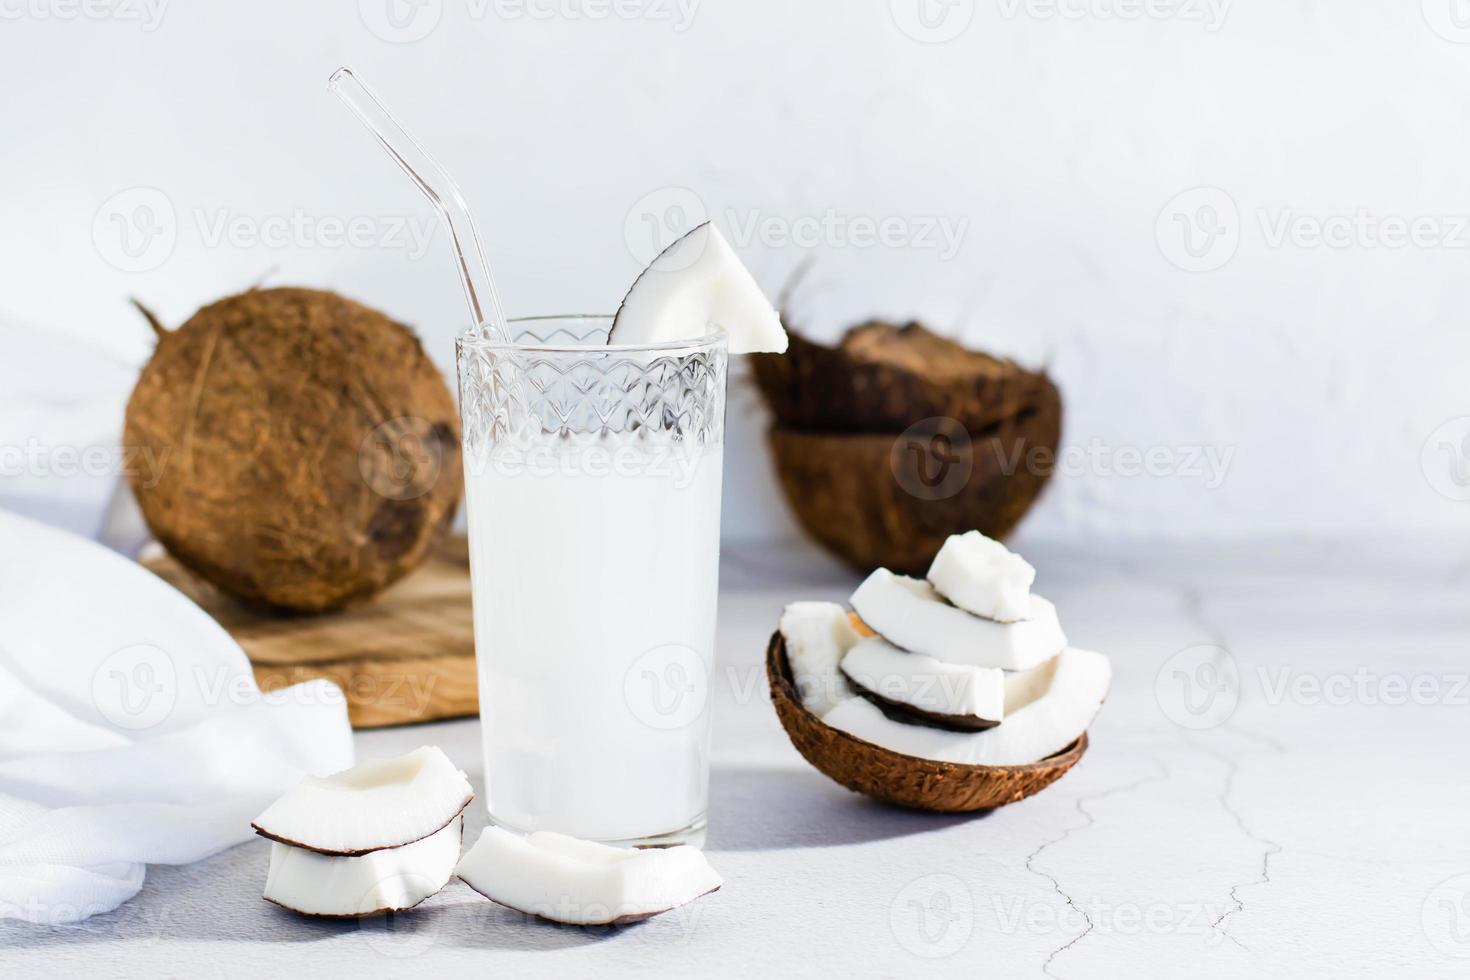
point(439, 188)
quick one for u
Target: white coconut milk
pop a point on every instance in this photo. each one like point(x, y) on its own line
point(595, 579)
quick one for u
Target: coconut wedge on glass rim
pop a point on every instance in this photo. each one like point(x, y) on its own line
point(581, 882)
point(696, 282)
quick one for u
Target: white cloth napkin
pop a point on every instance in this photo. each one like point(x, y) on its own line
point(61, 420)
point(131, 728)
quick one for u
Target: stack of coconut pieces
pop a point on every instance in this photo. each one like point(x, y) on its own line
point(967, 666)
point(383, 836)
point(380, 837)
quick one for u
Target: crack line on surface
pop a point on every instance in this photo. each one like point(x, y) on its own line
point(1271, 847)
point(1163, 775)
point(1192, 602)
point(1194, 609)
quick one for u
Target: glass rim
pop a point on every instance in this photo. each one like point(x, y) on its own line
point(714, 337)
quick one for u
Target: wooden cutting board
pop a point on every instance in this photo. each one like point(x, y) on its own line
point(407, 656)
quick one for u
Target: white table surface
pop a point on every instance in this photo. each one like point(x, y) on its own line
point(1306, 835)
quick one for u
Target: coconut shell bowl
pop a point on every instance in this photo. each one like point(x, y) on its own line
point(896, 438)
point(904, 780)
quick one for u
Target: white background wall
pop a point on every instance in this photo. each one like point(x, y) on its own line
point(1053, 138)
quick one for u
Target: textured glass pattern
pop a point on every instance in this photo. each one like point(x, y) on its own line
point(559, 380)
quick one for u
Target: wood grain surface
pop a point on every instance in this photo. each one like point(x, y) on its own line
point(407, 656)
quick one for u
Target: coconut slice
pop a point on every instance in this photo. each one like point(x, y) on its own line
point(817, 636)
point(387, 803)
point(909, 613)
point(387, 880)
point(920, 688)
point(1044, 713)
point(984, 577)
point(695, 282)
point(580, 882)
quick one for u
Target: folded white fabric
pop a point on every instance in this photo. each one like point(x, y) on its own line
point(131, 728)
point(61, 419)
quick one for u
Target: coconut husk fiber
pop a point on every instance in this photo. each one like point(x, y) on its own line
point(309, 449)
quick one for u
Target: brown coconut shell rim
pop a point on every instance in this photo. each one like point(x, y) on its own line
point(778, 669)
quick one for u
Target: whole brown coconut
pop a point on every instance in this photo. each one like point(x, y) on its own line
point(308, 448)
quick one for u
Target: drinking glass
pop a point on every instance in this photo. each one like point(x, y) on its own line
point(592, 486)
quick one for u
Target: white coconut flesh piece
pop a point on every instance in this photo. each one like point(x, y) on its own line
point(927, 690)
point(696, 282)
point(984, 577)
point(910, 614)
point(385, 803)
point(580, 882)
point(387, 880)
point(1050, 711)
point(818, 635)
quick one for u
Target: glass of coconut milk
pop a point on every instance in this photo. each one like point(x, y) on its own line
point(592, 485)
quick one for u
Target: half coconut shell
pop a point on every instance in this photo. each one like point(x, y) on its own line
point(884, 501)
point(882, 377)
point(904, 780)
